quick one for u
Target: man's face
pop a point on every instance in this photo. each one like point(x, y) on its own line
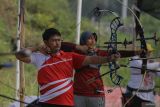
point(54, 43)
point(91, 41)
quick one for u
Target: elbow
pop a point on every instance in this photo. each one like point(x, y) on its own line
point(22, 58)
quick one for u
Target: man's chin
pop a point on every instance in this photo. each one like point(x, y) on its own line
point(54, 50)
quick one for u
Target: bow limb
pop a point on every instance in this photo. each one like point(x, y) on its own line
point(139, 31)
point(112, 49)
point(132, 11)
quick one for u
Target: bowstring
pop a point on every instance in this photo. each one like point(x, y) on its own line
point(145, 72)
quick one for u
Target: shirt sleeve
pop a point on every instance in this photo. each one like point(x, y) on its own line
point(33, 58)
point(77, 60)
point(37, 59)
point(138, 63)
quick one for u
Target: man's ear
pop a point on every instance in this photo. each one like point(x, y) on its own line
point(45, 42)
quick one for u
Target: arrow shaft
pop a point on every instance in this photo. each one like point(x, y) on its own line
point(143, 58)
point(149, 70)
point(9, 53)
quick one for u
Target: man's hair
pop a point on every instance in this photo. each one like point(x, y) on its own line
point(85, 35)
point(95, 36)
point(49, 33)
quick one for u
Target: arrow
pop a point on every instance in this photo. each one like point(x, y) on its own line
point(131, 59)
point(6, 65)
point(149, 70)
point(9, 53)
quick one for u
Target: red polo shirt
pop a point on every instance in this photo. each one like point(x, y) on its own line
point(81, 86)
point(55, 77)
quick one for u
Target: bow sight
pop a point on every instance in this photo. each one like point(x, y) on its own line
point(125, 43)
point(155, 38)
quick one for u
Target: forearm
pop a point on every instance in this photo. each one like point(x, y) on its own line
point(100, 60)
point(68, 47)
point(96, 60)
point(71, 47)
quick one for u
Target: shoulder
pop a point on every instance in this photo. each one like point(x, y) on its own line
point(39, 54)
point(38, 59)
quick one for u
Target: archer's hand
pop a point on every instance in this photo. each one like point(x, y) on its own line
point(43, 49)
point(115, 57)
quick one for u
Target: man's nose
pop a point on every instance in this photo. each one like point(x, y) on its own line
point(93, 38)
point(58, 42)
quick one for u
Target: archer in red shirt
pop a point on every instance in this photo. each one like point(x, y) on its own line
point(89, 95)
point(55, 69)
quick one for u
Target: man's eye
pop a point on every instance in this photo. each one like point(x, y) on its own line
point(56, 40)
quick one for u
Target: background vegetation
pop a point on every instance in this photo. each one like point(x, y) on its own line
point(61, 14)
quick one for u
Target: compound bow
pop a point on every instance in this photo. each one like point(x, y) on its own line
point(112, 49)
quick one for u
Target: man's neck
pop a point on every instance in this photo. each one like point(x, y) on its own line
point(53, 52)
